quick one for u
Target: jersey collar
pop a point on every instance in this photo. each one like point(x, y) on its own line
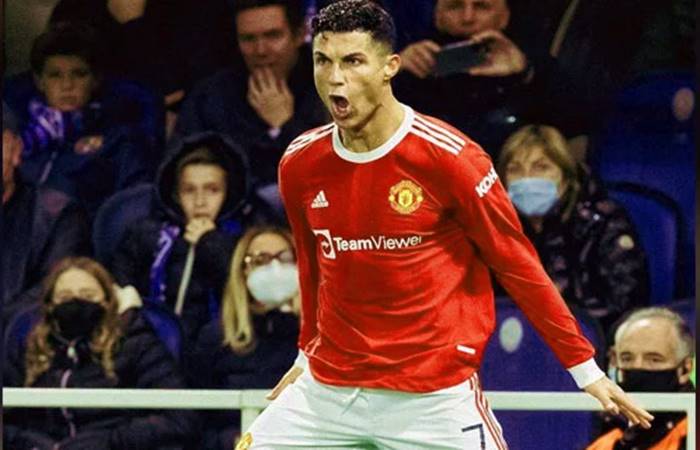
point(380, 151)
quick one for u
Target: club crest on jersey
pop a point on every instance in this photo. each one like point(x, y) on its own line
point(245, 442)
point(405, 196)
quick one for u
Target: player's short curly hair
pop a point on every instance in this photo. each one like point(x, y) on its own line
point(345, 16)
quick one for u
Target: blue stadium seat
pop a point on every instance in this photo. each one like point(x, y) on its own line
point(167, 325)
point(115, 215)
point(646, 143)
point(517, 359)
point(686, 308)
point(19, 325)
point(657, 220)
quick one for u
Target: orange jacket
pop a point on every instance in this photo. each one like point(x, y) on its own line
point(671, 441)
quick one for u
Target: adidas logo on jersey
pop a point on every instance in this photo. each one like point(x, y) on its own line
point(320, 201)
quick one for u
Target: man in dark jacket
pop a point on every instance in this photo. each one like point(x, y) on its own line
point(269, 102)
point(180, 255)
point(40, 226)
point(490, 100)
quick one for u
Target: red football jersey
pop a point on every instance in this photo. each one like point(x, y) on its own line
point(394, 248)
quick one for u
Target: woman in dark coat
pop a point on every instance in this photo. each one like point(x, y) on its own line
point(81, 341)
point(255, 341)
point(585, 240)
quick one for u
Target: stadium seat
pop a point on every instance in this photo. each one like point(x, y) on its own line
point(657, 220)
point(167, 326)
point(686, 308)
point(649, 142)
point(18, 327)
point(115, 215)
point(517, 359)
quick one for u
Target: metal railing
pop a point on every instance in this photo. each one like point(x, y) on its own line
point(251, 402)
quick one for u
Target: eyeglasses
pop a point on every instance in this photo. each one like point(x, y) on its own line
point(262, 258)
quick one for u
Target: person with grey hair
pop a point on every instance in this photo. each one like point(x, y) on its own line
point(653, 352)
point(40, 226)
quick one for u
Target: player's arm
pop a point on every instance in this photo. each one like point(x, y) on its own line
point(483, 208)
point(305, 243)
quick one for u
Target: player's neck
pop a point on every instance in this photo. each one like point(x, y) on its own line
point(378, 129)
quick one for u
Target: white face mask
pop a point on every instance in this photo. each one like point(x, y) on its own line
point(273, 283)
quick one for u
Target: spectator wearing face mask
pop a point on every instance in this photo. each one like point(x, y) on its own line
point(653, 352)
point(255, 341)
point(82, 341)
point(585, 240)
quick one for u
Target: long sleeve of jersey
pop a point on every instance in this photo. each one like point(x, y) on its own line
point(305, 243)
point(484, 209)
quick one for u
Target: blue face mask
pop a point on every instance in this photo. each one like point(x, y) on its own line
point(533, 196)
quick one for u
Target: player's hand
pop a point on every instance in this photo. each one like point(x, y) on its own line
point(270, 97)
point(196, 228)
point(419, 58)
point(288, 378)
point(503, 57)
point(616, 401)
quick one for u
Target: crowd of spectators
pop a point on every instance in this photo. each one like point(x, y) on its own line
point(199, 99)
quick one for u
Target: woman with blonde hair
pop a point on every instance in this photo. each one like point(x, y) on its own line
point(254, 341)
point(83, 339)
point(585, 240)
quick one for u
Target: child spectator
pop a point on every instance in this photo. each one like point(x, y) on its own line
point(71, 141)
point(180, 255)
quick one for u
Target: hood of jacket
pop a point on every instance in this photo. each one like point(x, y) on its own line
point(229, 154)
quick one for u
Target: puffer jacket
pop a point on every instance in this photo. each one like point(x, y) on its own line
point(141, 361)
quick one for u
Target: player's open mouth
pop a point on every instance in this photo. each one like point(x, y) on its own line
point(340, 106)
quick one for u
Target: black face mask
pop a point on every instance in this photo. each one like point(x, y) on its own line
point(636, 380)
point(77, 317)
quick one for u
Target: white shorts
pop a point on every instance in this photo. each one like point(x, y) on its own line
point(312, 415)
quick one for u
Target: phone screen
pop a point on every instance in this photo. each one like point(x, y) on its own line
point(458, 57)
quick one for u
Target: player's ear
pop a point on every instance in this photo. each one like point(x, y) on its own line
point(392, 66)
